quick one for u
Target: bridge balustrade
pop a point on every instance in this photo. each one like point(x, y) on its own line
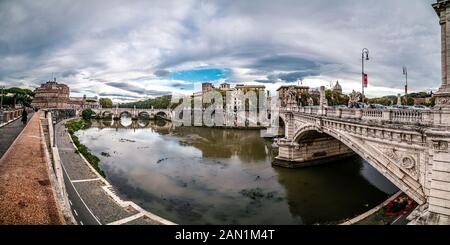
point(395, 116)
point(411, 116)
point(348, 113)
point(372, 114)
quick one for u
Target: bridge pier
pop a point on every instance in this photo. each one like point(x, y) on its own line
point(311, 151)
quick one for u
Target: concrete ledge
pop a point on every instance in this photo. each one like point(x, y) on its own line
point(372, 211)
point(10, 121)
point(56, 176)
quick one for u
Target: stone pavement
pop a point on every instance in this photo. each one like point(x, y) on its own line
point(93, 201)
point(26, 194)
point(9, 133)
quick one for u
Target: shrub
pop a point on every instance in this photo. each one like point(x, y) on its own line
point(86, 114)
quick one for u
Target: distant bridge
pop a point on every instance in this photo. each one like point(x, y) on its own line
point(132, 124)
point(134, 113)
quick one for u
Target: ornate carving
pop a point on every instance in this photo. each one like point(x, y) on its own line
point(408, 163)
point(292, 95)
point(391, 153)
point(355, 97)
point(440, 145)
point(442, 101)
point(404, 160)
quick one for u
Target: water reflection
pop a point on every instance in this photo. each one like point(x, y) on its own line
point(216, 176)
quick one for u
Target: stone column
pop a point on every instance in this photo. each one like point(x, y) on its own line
point(323, 103)
point(442, 8)
point(439, 194)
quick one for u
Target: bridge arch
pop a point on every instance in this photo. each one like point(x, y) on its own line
point(107, 114)
point(125, 113)
point(126, 122)
point(374, 157)
point(143, 123)
point(161, 114)
point(144, 115)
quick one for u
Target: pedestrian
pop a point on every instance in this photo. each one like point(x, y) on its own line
point(24, 116)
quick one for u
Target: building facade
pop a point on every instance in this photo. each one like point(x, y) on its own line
point(51, 95)
point(283, 93)
point(57, 95)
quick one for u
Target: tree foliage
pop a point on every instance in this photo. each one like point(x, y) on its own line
point(106, 102)
point(86, 114)
point(20, 96)
point(15, 90)
point(162, 102)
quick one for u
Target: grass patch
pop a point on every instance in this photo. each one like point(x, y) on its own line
point(75, 125)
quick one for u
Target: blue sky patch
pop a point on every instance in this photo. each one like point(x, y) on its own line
point(200, 75)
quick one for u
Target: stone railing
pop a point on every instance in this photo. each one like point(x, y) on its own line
point(424, 117)
point(59, 114)
point(372, 114)
point(412, 116)
point(9, 116)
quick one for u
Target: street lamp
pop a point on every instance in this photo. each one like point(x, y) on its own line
point(1, 98)
point(364, 56)
point(54, 130)
point(405, 73)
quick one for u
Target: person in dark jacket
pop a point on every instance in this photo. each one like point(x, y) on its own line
point(24, 116)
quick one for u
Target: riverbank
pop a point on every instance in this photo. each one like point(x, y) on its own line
point(73, 126)
point(365, 216)
point(384, 214)
point(93, 200)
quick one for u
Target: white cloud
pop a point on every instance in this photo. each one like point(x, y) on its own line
point(90, 43)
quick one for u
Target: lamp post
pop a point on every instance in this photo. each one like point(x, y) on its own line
point(364, 56)
point(405, 73)
point(1, 98)
point(54, 130)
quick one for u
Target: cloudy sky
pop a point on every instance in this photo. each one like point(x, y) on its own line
point(129, 50)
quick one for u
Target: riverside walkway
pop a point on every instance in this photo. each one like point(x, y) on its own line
point(26, 194)
point(9, 133)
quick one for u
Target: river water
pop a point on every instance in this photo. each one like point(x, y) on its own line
point(223, 176)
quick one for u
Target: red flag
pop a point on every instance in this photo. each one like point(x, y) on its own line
point(366, 80)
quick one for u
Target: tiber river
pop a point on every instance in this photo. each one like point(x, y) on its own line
point(223, 176)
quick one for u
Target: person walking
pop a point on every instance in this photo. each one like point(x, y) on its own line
point(24, 116)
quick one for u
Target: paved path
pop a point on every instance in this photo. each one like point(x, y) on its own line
point(26, 194)
point(9, 133)
point(90, 203)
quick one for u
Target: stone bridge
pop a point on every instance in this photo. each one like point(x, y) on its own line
point(132, 124)
point(409, 147)
point(134, 113)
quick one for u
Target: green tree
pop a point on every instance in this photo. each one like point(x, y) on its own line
point(162, 102)
point(106, 102)
point(86, 114)
point(20, 95)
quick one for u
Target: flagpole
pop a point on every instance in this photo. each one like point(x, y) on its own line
point(364, 56)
